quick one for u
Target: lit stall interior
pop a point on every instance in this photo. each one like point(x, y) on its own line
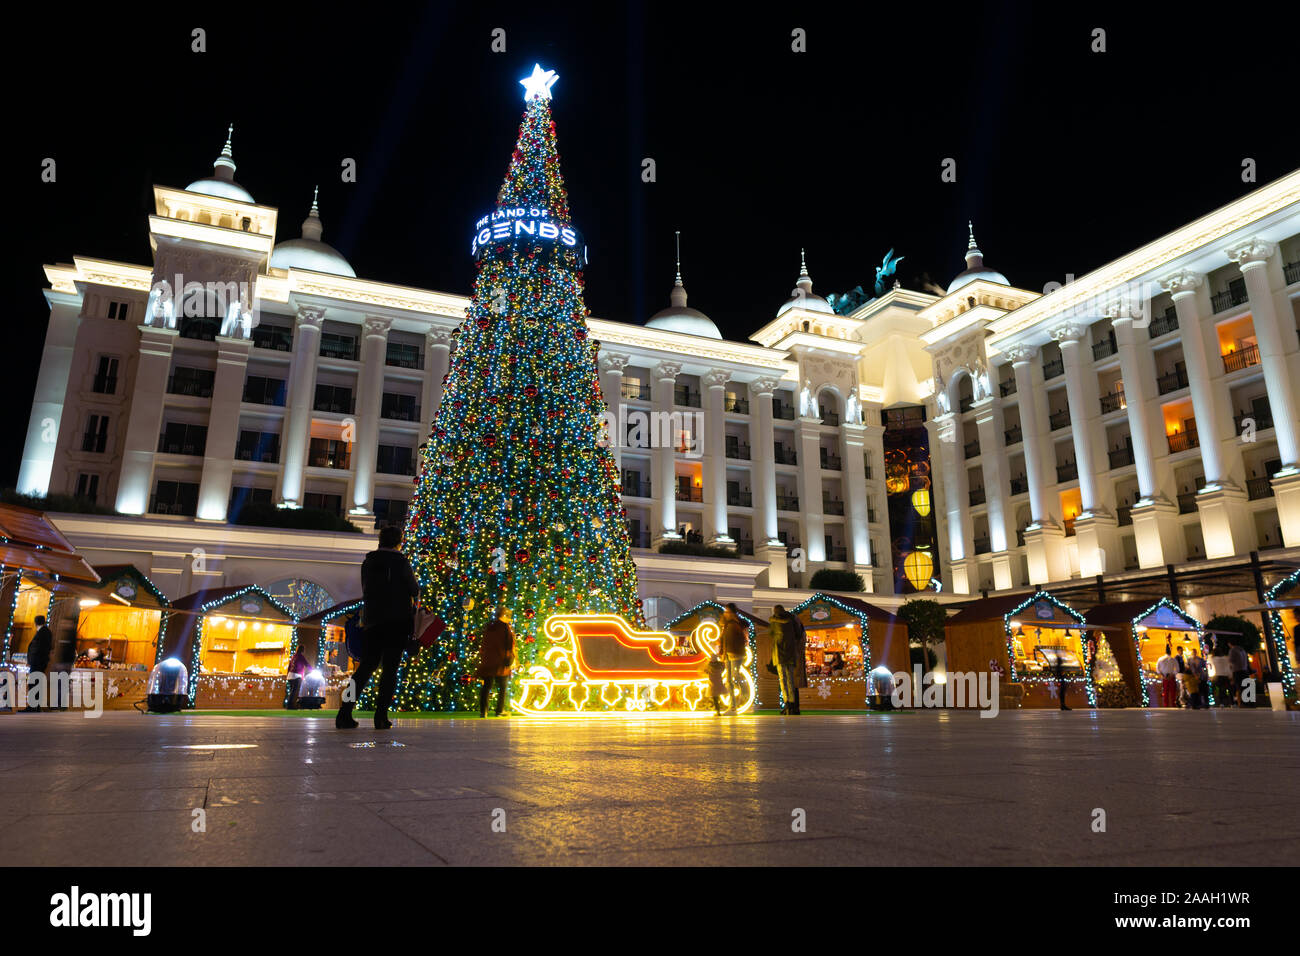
point(120, 621)
point(1135, 636)
point(846, 639)
point(239, 645)
point(323, 639)
point(1285, 618)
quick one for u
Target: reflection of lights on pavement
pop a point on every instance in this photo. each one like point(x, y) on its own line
point(209, 746)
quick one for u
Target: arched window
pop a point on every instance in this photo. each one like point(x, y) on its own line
point(301, 596)
point(659, 611)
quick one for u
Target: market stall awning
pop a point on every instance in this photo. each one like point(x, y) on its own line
point(31, 527)
point(14, 555)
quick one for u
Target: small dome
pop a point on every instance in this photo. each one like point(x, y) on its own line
point(678, 318)
point(309, 253)
point(222, 181)
point(975, 268)
point(312, 256)
point(803, 297)
point(220, 188)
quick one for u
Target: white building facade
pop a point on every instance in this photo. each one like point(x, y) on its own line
point(237, 371)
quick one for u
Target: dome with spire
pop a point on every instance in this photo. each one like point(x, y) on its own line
point(677, 317)
point(802, 297)
point(309, 253)
point(222, 181)
point(975, 268)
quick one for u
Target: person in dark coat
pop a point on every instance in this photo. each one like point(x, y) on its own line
point(785, 656)
point(734, 644)
point(495, 658)
point(38, 660)
point(389, 590)
point(1058, 671)
point(298, 668)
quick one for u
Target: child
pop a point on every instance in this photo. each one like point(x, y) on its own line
point(717, 686)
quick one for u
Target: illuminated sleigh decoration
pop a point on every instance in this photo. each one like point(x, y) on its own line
point(598, 665)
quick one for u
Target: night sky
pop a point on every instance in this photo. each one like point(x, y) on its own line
point(1066, 159)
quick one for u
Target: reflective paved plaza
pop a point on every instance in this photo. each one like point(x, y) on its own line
point(917, 788)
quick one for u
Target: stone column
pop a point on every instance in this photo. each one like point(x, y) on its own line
point(1155, 518)
point(1225, 526)
point(370, 393)
point(223, 427)
point(48, 399)
point(611, 386)
point(1274, 338)
point(807, 436)
point(762, 446)
point(715, 458)
point(145, 423)
point(853, 443)
point(1044, 539)
point(1095, 527)
point(437, 349)
point(302, 395)
point(664, 456)
point(993, 458)
point(956, 498)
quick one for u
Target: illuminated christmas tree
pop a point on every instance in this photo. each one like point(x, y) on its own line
point(518, 500)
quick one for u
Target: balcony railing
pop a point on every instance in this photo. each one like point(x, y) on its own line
point(971, 448)
point(159, 506)
point(1186, 502)
point(1227, 299)
point(1243, 358)
point(1262, 419)
point(740, 499)
point(1069, 527)
point(783, 412)
point(1258, 488)
point(177, 385)
point(275, 339)
point(976, 496)
point(1013, 435)
point(685, 398)
point(404, 360)
point(1113, 401)
point(832, 463)
point(1019, 486)
point(738, 405)
point(829, 417)
point(840, 554)
point(1172, 381)
point(400, 413)
point(336, 350)
point(1119, 457)
point(965, 405)
point(253, 453)
point(1053, 368)
point(1291, 272)
point(1067, 472)
point(341, 461)
point(636, 489)
point(640, 539)
point(1105, 348)
point(1123, 516)
point(635, 391)
point(745, 546)
point(1163, 324)
point(738, 451)
point(342, 407)
point(180, 446)
point(830, 507)
point(784, 456)
point(983, 545)
point(689, 494)
point(1059, 419)
point(1182, 441)
point(787, 502)
point(1008, 387)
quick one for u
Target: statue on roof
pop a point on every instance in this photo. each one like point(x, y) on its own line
point(885, 270)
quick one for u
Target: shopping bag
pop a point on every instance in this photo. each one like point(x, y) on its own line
point(428, 627)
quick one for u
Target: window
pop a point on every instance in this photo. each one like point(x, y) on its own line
point(659, 611)
point(258, 446)
point(241, 497)
point(96, 435)
point(175, 498)
point(259, 390)
point(191, 381)
point(118, 310)
point(395, 460)
point(88, 487)
point(334, 345)
point(179, 438)
point(402, 355)
point(333, 398)
point(105, 381)
point(389, 511)
point(323, 502)
point(399, 407)
point(328, 453)
point(277, 337)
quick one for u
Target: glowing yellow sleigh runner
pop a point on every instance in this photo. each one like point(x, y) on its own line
point(598, 665)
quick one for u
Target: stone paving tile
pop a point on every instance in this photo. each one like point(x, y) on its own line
point(877, 790)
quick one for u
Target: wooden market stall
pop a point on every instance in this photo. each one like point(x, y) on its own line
point(847, 638)
point(1023, 637)
point(685, 623)
point(323, 640)
point(1284, 624)
point(1133, 635)
point(236, 643)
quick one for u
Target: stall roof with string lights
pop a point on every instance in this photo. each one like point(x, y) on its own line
point(1137, 631)
point(880, 637)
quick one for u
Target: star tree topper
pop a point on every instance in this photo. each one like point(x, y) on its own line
point(538, 86)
